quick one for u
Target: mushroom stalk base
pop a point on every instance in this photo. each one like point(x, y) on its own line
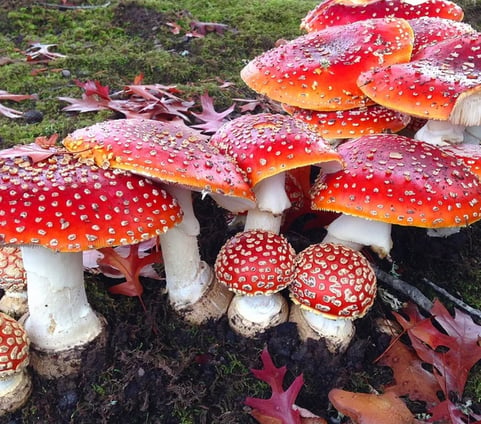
point(52, 363)
point(250, 316)
point(14, 303)
point(337, 333)
point(14, 391)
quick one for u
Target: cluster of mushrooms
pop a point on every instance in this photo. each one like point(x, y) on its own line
point(363, 72)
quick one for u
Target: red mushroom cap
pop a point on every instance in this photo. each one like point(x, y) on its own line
point(319, 70)
point(69, 206)
point(333, 280)
point(398, 180)
point(470, 154)
point(160, 150)
point(255, 262)
point(435, 85)
point(340, 12)
point(431, 30)
point(341, 124)
point(13, 276)
point(14, 345)
point(267, 144)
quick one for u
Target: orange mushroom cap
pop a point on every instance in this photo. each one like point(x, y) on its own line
point(267, 144)
point(319, 70)
point(69, 206)
point(437, 85)
point(340, 12)
point(333, 280)
point(470, 154)
point(14, 345)
point(255, 262)
point(342, 124)
point(160, 150)
point(398, 180)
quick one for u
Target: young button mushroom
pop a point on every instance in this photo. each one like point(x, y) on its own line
point(15, 382)
point(55, 209)
point(319, 70)
point(13, 281)
point(265, 146)
point(340, 12)
point(391, 179)
point(334, 285)
point(182, 161)
point(442, 84)
point(256, 265)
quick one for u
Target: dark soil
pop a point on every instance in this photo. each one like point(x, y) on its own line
point(157, 369)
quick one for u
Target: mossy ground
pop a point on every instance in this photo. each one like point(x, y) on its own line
point(158, 369)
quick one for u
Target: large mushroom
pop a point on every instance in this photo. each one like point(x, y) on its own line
point(265, 146)
point(55, 209)
point(442, 84)
point(319, 70)
point(340, 12)
point(256, 265)
point(392, 179)
point(183, 161)
point(334, 285)
point(15, 382)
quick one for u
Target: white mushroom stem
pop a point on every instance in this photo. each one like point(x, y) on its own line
point(60, 316)
point(440, 133)
point(472, 135)
point(272, 201)
point(356, 232)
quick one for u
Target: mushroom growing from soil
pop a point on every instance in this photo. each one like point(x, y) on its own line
point(256, 265)
point(54, 209)
point(332, 285)
point(340, 12)
point(182, 160)
point(13, 281)
point(319, 70)
point(15, 382)
point(265, 146)
point(392, 179)
point(442, 84)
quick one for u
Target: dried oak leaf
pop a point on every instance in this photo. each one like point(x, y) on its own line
point(212, 120)
point(9, 112)
point(369, 408)
point(34, 151)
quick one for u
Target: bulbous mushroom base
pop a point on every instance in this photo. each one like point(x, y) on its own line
point(14, 304)
point(337, 334)
point(14, 392)
point(51, 363)
point(250, 316)
point(212, 305)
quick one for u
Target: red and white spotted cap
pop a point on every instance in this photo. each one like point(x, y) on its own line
point(14, 345)
point(333, 280)
point(255, 262)
point(70, 206)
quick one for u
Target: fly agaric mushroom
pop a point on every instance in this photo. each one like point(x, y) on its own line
point(265, 146)
point(256, 265)
point(443, 85)
point(344, 124)
point(13, 281)
point(333, 285)
point(391, 179)
point(319, 70)
point(55, 209)
point(15, 382)
point(183, 161)
point(340, 12)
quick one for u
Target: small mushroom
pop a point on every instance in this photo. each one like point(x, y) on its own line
point(15, 382)
point(13, 281)
point(334, 285)
point(54, 209)
point(256, 265)
point(319, 70)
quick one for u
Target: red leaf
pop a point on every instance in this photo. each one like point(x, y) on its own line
point(212, 119)
point(34, 151)
point(94, 88)
point(280, 406)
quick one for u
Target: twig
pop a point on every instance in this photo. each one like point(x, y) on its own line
point(67, 6)
point(401, 286)
point(458, 302)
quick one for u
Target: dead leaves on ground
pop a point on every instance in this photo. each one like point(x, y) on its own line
point(432, 368)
